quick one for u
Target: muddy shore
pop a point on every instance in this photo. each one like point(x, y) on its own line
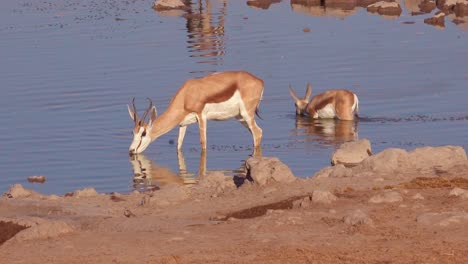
point(393, 207)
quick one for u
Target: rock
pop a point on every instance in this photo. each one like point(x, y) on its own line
point(418, 196)
point(459, 192)
point(425, 159)
point(341, 4)
point(264, 170)
point(341, 171)
point(357, 218)
point(461, 9)
point(38, 179)
point(386, 197)
point(17, 191)
point(325, 172)
point(325, 197)
point(385, 8)
point(162, 5)
point(365, 3)
point(437, 20)
point(386, 161)
point(302, 203)
point(427, 6)
point(262, 4)
point(444, 219)
point(395, 161)
point(351, 153)
point(86, 192)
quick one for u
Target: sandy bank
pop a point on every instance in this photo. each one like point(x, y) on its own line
point(394, 206)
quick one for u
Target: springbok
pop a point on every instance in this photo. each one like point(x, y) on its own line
point(219, 96)
point(341, 104)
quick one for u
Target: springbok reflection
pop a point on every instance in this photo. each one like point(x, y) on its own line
point(149, 176)
point(326, 131)
point(202, 169)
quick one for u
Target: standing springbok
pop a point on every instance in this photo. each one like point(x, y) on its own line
point(341, 104)
point(218, 96)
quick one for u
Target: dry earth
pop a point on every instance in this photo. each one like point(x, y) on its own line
point(394, 207)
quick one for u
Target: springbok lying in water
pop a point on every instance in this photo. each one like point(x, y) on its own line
point(341, 104)
point(218, 96)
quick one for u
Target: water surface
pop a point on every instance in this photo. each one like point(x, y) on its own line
point(68, 69)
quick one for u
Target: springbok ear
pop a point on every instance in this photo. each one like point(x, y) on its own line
point(131, 113)
point(308, 92)
point(293, 94)
point(153, 115)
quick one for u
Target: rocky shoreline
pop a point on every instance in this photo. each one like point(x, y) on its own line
point(394, 206)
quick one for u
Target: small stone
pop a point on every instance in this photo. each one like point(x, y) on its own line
point(264, 170)
point(325, 197)
point(385, 8)
point(418, 196)
point(387, 197)
point(86, 192)
point(357, 218)
point(129, 213)
point(458, 192)
point(302, 203)
point(38, 179)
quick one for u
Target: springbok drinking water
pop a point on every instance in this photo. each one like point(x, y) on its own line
point(218, 96)
point(341, 104)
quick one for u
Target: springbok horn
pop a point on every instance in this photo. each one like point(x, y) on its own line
point(135, 113)
point(147, 111)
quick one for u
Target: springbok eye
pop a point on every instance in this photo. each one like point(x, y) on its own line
point(143, 134)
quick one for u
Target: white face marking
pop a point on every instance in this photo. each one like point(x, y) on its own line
point(141, 141)
point(327, 112)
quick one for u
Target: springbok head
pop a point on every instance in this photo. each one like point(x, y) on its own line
point(142, 129)
point(301, 104)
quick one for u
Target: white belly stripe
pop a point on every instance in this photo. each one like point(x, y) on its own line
point(327, 112)
point(218, 111)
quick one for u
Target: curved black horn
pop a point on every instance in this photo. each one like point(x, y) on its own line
point(135, 112)
point(147, 110)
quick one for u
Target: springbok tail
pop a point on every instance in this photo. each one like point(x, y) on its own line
point(356, 109)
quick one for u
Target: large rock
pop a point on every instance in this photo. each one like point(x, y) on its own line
point(264, 170)
point(18, 191)
point(460, 7)
point(351, 153)
point(398, 161)
point(425, 159)
point(385, 8)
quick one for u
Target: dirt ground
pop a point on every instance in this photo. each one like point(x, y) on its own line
point(410, 216)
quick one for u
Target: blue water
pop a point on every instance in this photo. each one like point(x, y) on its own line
point(68, 68)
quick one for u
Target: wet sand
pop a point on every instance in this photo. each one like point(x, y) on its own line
point(413, 211)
